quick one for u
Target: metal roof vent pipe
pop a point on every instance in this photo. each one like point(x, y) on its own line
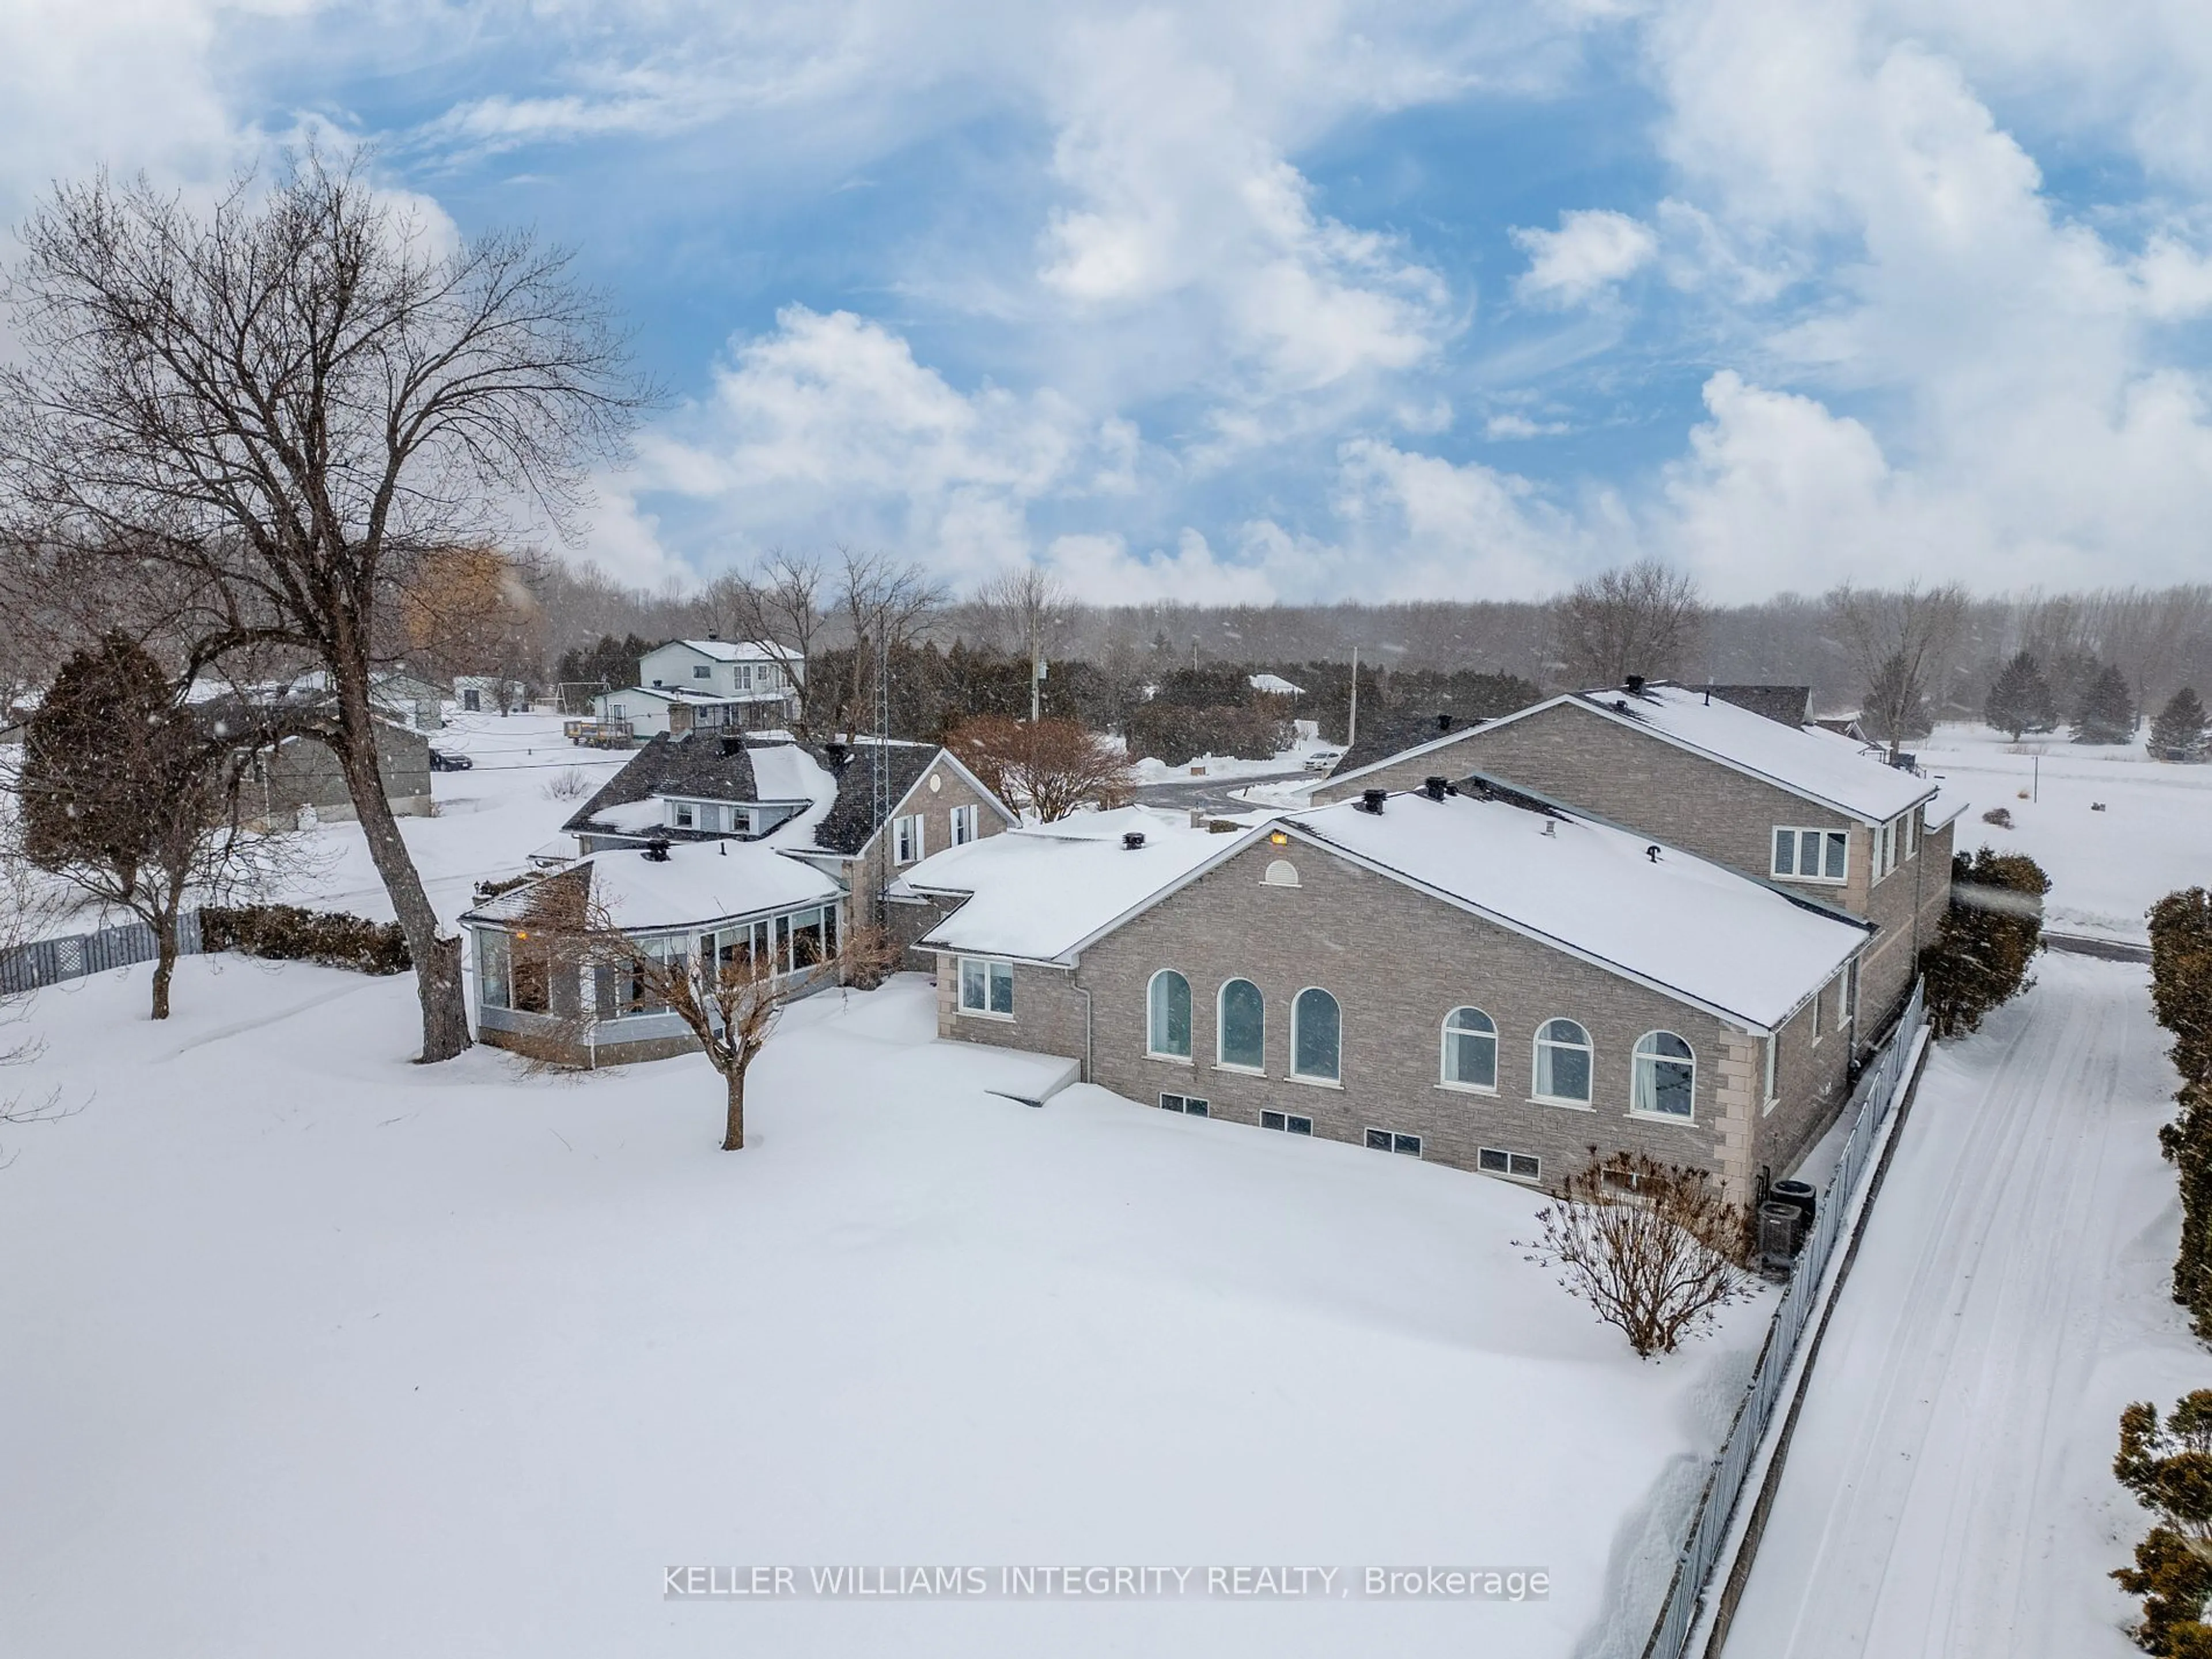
point(1437, 788)
point(1133, 839)
point(656, 850)
point(1635, 685)
point(1370, 800)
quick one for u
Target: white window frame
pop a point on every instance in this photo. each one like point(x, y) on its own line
point(702, 670)
point(1589, 1049)
point(1797, 834)
point(1286, 1122)
point(966, 824)
point(1221, 1029)
point(1316, 1080)
point(909, 839)
point(1393, 1140)
point(681, 814)
point(1817, 996)
point(991, 967)
point(1170, 1056)
point(1636, 1061)
point(1446, 1032)
point(1509, 1172)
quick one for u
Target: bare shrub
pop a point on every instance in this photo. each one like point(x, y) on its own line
point(1999, 815)
point(1653, 1248)
point(1049, 767)
point(571, 783)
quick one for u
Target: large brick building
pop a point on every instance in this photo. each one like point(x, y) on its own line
point(1469, 975)
point(1734, 774)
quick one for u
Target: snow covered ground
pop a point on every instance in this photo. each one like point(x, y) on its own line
point(2106, 868)
point(1949, 1488)
point(311, 1351)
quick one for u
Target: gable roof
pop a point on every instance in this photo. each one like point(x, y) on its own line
point(1044, 893)
point(1816, 764)
point(728, 650)
point(1786, 703)
point(1678, 923)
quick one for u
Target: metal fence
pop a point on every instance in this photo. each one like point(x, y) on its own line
point(1872, 1101)
point(73, 956)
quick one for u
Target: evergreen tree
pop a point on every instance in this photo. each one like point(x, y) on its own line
point(2178, 732)
point(2168, 1468)
point(2107, 713)
point(2181, 998)
point(1988, 938)
point(2020, 699)
point(125, 796)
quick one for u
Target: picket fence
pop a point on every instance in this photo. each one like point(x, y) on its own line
point(1872, 1099)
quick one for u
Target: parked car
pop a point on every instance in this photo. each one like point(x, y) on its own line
point(1323, 760)
point(446, 760)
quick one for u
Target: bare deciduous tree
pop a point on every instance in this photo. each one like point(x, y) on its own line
point(287, 404)
point(1652, 1247)
point(1026, 609)
point(883, 602)
point(1645, 619)
point(1901, 643)
point(778, 607)
point(1049, 767)
point(731, 1000)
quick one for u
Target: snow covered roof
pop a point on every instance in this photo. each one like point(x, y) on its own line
point(1736, 946)
point(1276, 685)
point(729, 650)
point(697, 883)
point(1820, 765)
point(683, 694)
point(1042, 894)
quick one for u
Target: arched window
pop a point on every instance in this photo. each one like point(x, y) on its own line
point(1279, 872)
point(1470, 1050)
point(1665, 1076)
point(1316, 1036)
point(1167, 1030)
point(1242, 1033)
point(1563, 1063)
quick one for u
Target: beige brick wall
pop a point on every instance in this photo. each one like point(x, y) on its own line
point(1048, 1017)
point(1398, 963)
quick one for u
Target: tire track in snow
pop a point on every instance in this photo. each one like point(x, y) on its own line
point(1919, 1510)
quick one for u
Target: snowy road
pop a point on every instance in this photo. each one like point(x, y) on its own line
point(1949, 1489)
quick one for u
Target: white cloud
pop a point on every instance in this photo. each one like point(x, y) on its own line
point(1593, 249)
point(1509, 426)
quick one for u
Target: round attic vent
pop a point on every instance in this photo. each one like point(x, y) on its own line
point(1280, 872)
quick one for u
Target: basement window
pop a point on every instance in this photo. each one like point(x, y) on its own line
point(1289, 1123)
point(1188, 1105)
point(1390, 1141)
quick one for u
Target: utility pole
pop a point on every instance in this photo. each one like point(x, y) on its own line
point(1352, 729)
point(881, 778)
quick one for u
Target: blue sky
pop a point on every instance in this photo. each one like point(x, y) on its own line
point(1297, 302)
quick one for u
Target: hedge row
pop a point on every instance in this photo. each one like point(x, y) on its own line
point(1988, 940)
point(289, 934)
point(2181, 997)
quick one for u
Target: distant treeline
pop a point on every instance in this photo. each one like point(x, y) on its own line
point(2160, 639)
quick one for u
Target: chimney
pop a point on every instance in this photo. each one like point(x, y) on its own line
point(732, 745)
point(1370, 800)
point(834, 753)
point(1437, 787)
point(1636, 685)
point(1133, 839)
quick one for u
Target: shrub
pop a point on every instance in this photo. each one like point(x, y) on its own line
point(1988, 939)
point(285, 932)
point(2001, 816)
point(1654, 1249)
point(570, 783)
point(2181, 997)
point(2168, 1468)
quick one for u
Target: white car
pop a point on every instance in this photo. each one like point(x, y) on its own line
point(1323, 760)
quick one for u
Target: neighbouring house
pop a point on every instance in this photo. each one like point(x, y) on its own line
point(296, 781)
point(1804, 809)
point(1274, 685)
point(649, 711)
point(764, 674)
point(766, 828)
point(1468, 976)
point(740, 899)
point(409, 697)
point(1392, 751)
point(480, 694)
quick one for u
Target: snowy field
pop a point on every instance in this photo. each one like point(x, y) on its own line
point(313, 1352)
point(1949, 1489)
point(2106, 868)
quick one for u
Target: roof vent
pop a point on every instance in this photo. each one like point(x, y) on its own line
point(657, 850)
point(1636, 685)
point(1438, 788)
point(1370, 800)
point(834, 753)
point(1621, 705)
point(1133, 839)
point(711, 634)
point(1652, 852)
point(732, 744)
point(1444, 722)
